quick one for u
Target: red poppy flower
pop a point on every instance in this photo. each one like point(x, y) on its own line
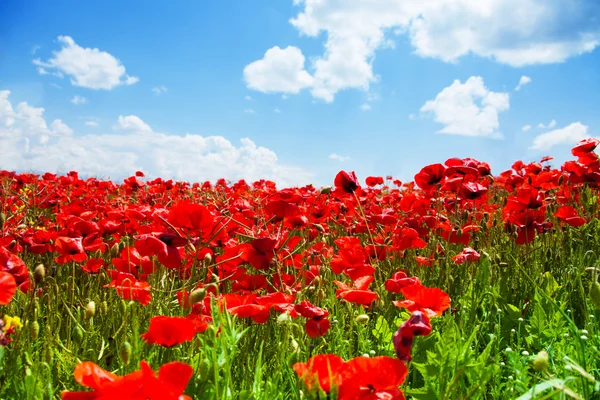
point(129, 288)
point(322, 369)
point(432, 301)
point(260, 252)
point(70, 249)
point(374, 181)
point(417, 325)
point(585, 146)
point(400, 280)
point(93, 265)
point(318, 326)
point(430, 176)
point(245, 307)
point(570, 216)
point(346, 182)
point(169, 331)
point(358, 293)
point(467, 255)
point(164, 245)
point(8, 287)
point(192, 216)
point(12, 264)
point(138, 385)
point(372, 378)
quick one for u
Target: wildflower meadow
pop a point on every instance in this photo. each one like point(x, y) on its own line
point(464, 284)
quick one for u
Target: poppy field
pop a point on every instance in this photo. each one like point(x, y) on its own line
point(464, 284)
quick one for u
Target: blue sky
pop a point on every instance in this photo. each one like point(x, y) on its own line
point(293, 90)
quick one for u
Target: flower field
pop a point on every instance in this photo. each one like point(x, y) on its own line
point(460, 285)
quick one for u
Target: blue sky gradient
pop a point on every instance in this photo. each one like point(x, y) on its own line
point(198, 52)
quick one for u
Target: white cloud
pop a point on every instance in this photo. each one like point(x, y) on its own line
point(365, 107)
point(93, 124)
point(87, 67)
point(28, 144)
point(55, 86)
point(468, 109)
point(526, 128)
point(248, 98)
point(570, 134)
point(77, 100)
point(412, 117)
point(249, 111)
point(132, 123)
point(158, 90)
point(27, 123)
point(550, 125)
point(280, 70)
point(339, 158)
point(525, 80)
point(34, 49)
point(541, 32)
point(277, 110)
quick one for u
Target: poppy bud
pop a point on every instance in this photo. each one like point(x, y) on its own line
point(197, 296)
point(362, 319)
point(540, 361)
point(90, 310)
point(2, 220)
point(48, 354)
point(208, 259)
point(192, 247)
point(326, 190)
point(319, 227)
point(78, 334)
point(35, 330)
point(595, 294)
point(39, 273)
point(283, 318)
point(125, 352)
point(114, 250)
point(295, 345)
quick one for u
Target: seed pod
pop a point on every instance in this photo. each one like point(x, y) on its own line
point(90, 310)
point(39, 273)
point(595, 294)
point(125, 352)
point(541, 360)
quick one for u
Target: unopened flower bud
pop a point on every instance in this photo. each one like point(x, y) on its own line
point(326, 190)
point(35, 330)
point(595, 294)
point(541, 360)
point(207, 258)
point(39, 273)
point(197, 296)
point(2, 220)
point(125, 352)
point(362, 319)
point(90, 310)
point(114, 250)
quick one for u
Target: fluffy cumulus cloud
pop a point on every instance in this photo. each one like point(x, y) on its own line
point(526, 128)
point(541, 32)
point(29, 144)
point(280, 70)
point(525, 80)
point(468, 109)
point(132, 123)
point(570, 134)
point(87, 67)
point(158, 90)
